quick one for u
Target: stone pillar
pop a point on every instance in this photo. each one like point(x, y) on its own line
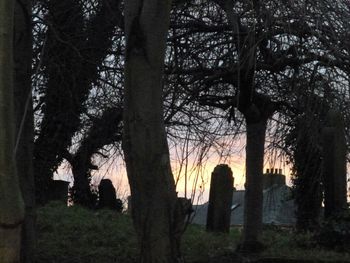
point(334, 163)
point(220, 199)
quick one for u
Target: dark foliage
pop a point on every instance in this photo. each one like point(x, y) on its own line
point(304, 143)
point(74, 49)
point(103, 131)
point(334, 232)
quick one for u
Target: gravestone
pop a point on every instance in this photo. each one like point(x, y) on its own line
point(334, 163)
point(59, 190)
point(220, 199)
point(107, 196)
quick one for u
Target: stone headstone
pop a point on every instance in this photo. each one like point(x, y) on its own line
point(107, 196)
point(220, 199)
point(59, 190)
point(334, 163)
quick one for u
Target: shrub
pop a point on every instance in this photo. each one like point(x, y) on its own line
point(334, 232)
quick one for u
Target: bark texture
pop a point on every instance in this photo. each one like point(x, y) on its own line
point(256, 108)
point(260, 110)
point(11, 203)
point(144, 143)
point(24, 122)
point(253, 201)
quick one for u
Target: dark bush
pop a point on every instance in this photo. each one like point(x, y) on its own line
point(334, 232)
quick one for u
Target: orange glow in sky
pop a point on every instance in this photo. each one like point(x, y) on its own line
point(197, 173)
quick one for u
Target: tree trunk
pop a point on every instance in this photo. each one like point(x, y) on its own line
point(24, 122)
point(307, 167)
point(144, 143)
point(74, 50)
point(104, 130)
point(11, 203)
point(253, 202)
point(81, 191)
point(65, 91)
point(334, 164)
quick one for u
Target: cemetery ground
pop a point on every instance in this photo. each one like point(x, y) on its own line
point(77, 235)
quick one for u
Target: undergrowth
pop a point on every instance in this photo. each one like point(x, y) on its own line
point(286, 243)
point(77, 235)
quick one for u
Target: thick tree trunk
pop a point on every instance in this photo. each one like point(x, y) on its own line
point(11, 203)
point(253, 202)
point(74, 50)
point(307, 166)
point(24, 122)
point(66, 90)
point(334, 164)
point(145, 145)
point(105, 130)
point(82, 194)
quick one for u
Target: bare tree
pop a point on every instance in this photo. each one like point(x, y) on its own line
point(249, 56)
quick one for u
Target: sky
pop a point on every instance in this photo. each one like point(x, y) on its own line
point(114, 170)
point(198, 172)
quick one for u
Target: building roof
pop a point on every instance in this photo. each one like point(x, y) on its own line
point(278, 207)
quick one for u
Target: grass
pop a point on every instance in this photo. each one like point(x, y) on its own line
point(77, 235)
point(289, 245)
point(74, 234)
point(198, 245)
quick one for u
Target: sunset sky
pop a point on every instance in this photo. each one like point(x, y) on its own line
point(198, 172)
